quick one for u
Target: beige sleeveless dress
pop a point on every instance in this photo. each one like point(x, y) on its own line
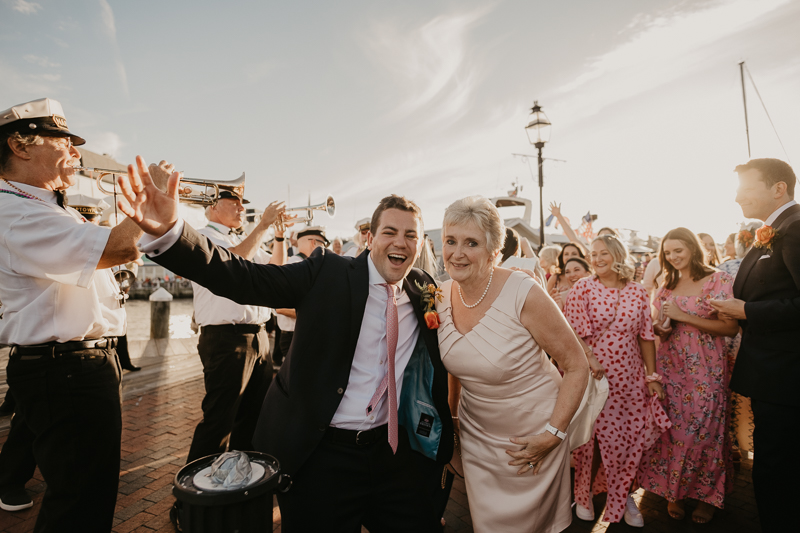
point(509, 389)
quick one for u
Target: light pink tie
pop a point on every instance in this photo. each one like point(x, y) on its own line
point(389, 382)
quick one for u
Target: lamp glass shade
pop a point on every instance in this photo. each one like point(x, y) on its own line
point(538, 127)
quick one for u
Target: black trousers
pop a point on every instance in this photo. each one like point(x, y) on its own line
point(352, 485)
point(237, 371)
point(69, 422)
point(776, 470)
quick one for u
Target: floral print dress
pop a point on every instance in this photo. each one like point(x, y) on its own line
point(612, 321)
point(693, 459)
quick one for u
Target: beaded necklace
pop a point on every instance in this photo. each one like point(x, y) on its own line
point(20, 192)
point(485, 291)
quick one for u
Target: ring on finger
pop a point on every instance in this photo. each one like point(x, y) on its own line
point(530, 465)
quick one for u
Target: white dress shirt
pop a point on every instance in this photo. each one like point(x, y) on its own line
point(371, 356)
point(49, 283)
point(210, 309)
point(286, 323)
point(775, 214)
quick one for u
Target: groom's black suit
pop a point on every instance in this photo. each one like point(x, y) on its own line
point(329, 293)
point(768, 367)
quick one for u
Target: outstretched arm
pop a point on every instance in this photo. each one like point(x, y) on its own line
point(555, 209)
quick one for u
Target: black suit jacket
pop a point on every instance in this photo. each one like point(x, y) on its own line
point(329, 293)
point(769, 282)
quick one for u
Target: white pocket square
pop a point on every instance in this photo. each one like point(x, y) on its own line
point(764, 257)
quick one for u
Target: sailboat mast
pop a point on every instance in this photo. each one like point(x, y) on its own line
point(744, 101)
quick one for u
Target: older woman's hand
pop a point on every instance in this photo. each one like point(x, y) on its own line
point(536, 448)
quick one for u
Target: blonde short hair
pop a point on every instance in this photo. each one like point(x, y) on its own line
point(622, 261)
point(482, 212)
point(550, 255)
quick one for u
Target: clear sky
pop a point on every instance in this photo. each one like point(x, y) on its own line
point(429, 99)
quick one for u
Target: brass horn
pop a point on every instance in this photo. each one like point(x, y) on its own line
point(190, 191)
point(329, 206)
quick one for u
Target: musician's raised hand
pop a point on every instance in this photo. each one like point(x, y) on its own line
point(151, 209)
point(272, 212)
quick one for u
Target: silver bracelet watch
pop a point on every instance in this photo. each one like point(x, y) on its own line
point(552, 429)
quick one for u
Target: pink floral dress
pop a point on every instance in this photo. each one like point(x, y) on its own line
point(612, 321)
point(693, 459)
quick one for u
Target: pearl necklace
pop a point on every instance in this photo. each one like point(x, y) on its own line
point(23, 193)
point(485, 291)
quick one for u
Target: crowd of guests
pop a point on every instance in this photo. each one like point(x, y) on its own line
point(670, 425)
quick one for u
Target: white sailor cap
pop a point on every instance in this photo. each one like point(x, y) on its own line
point(86, 205)
point(363, 224)
point(38, 117)
point(318, 231)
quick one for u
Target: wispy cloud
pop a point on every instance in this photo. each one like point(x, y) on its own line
point(40, 61)
point(431, 62)
point(661, 49)
point(15, 81)
point(110, 29)
point(24, 7)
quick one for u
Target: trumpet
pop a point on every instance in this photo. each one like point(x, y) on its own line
point(329, 206)
point(190, 191)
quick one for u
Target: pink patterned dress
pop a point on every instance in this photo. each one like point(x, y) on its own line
point(693, 459)
point(612, 321)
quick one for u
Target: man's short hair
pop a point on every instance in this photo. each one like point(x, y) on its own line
point(772, 172)
point(394, 202)
point(5, 149)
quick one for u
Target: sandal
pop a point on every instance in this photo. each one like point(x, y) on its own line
point(676, 510)
point(703, 514)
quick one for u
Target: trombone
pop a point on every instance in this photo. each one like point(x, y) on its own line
point(329, 206)
point(190, 191)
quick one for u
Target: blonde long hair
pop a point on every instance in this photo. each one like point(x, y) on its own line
point(622, 261)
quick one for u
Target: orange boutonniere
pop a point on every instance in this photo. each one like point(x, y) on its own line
point(765, 235)
point(429, 294)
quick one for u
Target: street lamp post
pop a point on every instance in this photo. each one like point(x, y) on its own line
point(538, 130)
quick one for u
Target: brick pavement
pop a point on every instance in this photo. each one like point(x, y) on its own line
point(157, 431)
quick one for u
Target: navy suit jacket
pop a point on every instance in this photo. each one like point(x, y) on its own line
point(329, 293)
point(768, 281)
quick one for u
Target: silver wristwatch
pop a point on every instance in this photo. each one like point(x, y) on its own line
point(552, 429)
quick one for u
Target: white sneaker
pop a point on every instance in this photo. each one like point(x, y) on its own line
point(583, 513)
point(633, 516)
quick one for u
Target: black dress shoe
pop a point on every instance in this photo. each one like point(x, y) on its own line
point(131, 368)
point(175, 516)
point(15, 500)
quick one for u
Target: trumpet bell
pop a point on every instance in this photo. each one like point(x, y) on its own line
point(330, 206)
point(206, 192)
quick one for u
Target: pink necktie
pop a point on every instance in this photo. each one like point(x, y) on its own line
point(389, 382)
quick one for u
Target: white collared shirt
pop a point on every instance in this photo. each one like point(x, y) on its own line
point(286, 323)
point(50, 287)
point(775, 214)
point(210, 309)
point(370, 359)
